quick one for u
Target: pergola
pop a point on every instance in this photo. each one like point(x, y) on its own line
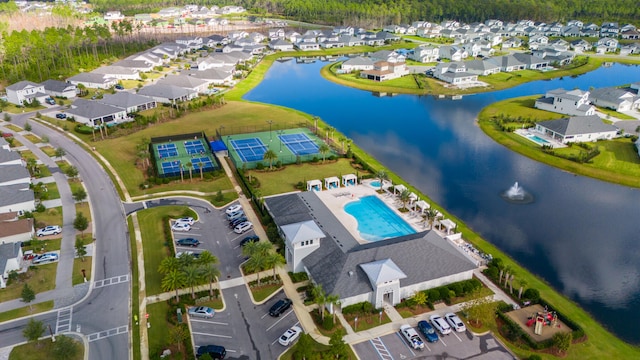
point(423, 205)
point(314, 185)
point(447, 224)
point(399, 188)
point(331, 182)
point(349, 180)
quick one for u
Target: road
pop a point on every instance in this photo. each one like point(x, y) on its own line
point(106, 308)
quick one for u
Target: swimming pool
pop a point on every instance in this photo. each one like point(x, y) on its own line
point(537, 139)
point(376, 221)
point(375, 184)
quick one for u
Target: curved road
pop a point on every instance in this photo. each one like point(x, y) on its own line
point(103, 316)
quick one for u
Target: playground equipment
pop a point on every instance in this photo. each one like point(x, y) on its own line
point(541, 319)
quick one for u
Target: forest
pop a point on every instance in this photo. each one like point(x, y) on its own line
point(376, 13)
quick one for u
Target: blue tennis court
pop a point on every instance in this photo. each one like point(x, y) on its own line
point(299, 143)
point(206, 163)
point(167, 153)
point(249, 149)
point(194, 147)
point(171, 166)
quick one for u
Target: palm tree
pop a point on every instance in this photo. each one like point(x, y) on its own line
point(320, 298)
point(404, 197)
point(334, 300)
point(200, 164)
point(189, 166)
point(431, 215)
point(174, 280)
point(382, 176)
point(523, 284)
point(342, 139)
point(273, 261)
point(207, 263)
point(168, 264)
point(193, 277)
point(324, 149)
point(256, 263)
point(269, 156)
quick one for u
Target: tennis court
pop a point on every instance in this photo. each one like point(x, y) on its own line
point(167, 150)
point(171, 166)
point(175, 154)
point(194, 147)
point(251, 149)
point(299, 143)
point(207, 164)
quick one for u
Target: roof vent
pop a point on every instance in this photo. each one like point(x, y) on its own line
point(350, 273)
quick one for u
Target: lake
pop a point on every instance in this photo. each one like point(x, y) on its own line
point(581, 235)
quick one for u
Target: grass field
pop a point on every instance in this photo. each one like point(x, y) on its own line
point(40, 278)
point(35, 350)
point(78, 265)
point(51, 216)
point(26, 311)
point(617, 162)
point(50, 151)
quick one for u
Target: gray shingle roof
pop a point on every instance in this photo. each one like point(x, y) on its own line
point(15, 194)
point(8, 251)
point(7, 155)
point(124, 100)
point(20, 85)
point(164, 91)
point(112, 69)
point(13, 172)
point(56, 85)
point(609, 94)
point(90, 78)
point(359, 61)
point(211, 74)
point(577, 125)
point(92, 109)
point(187, 82)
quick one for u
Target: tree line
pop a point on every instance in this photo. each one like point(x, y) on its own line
point(376, 13)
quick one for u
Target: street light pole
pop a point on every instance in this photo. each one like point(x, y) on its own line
point(270, 122)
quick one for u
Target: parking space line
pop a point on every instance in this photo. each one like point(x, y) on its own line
point(185, 247)
point(442, 341)
point(378, 342)
point(282, 318)
point(236, 238)
point(192, 235)
point(214, 335)
point(209, 322)
point(404, 341)
point(456, 335)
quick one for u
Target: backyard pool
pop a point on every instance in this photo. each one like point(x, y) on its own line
point(537, 140)
point(376, 221)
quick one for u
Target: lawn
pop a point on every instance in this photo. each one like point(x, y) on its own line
point(40, 278)
point(14, 128)
point(52, 191)
point(366, 321)
point(86, 211)
point(615, 114)
point(32, 138)
point(262, 292)
point(155, 246)
point(317, 348)
point(35, 350)
point(78, 265)
point(281, 181)
point(51, 216)
point(135, 293)
point(617, 162)
point(26, 311)
point(158, 333)
point(14, 109)
point(42, 246)
point(50, 151)
point(121, 152)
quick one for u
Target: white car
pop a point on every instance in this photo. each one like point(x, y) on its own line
point(438, 322)
point(186, 220)
point(179, 226)
point(49, 230)
point(201, 311)
point(233, 208)
point(45, 258)
point(290, 336)
point(412, 337)
point(455, 322)
point(242, 227)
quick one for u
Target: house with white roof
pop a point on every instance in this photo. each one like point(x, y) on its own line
point(215, 76)
point(11, 259)
point(118, 72)
point(425, 54)
point(384, 70)
point(357, 64)
point(577, 129)
point(93, 80)
point(280, 44)
point(113, 16)
point(454, 72)
point(24, 92)
point(379, 272)
point(570, 102)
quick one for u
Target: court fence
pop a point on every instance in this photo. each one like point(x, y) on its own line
point(181, 137)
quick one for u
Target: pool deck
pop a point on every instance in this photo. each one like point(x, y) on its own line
point(336, 199)
point(525, 133)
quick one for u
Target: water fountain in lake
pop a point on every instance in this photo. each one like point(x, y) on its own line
point(517, 195)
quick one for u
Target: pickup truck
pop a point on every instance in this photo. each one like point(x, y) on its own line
point(412, 337)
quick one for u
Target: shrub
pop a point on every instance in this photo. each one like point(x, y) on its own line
point(40, 208)
point(457, 289)
point(434, 295)
point(298, 277)
point(259, 166)
point(327, 323)
point(535, 357)
point(532, 295)
point(444, 293)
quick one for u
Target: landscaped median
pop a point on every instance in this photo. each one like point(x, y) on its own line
point(614, 163)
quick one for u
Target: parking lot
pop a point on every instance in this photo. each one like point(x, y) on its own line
point(453, 346)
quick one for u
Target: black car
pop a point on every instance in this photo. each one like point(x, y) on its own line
point(215, 351)
point(188, 242)
point(281, 306)
point(240, 220)
point(119, 87)
point(249, 239)
point(61, 116)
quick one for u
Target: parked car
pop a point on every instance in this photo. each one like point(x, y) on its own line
point(290, 336)
point(50, 101)
point(455, 322)
point(45, 258)
point(215, 351)
point(119, 87)
point(178, 226)
point(188, 242)
point(186, 220)
point(236, 222)
point(235, 215)
point(49, 230)
point(412, 337)
point(438, 322)
point(279, 307)
point(61, 116)
point(428, 331)
point(201, 311)
point(242, 227)
point(233, 209)
point(249, 239)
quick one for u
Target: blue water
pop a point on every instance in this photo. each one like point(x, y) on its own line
point(538, 140)
point(375, 184)
point(580, 235)
point(376, 221)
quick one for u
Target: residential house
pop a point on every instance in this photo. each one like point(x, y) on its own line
point(129, 102)
point(217, 39)
point(280, 45)
point(512, 42)
point(168, 94)
point(350, 40)
point(12, 174)
point(508, 63)
point(8, 157)
point(292, 36)
point(569, 102)
point(169, 12)
point(571, 31)
point(10, 260)
point(16, 231)
point(18, 198)
point(24, 92)
point(615, 99)
point(577, 129)
point(357, 64)
point(61, 89)
point(559, 44)
point(307, 45)
point(149, 57)
point(118, 72)
point(113, 16)
point(93, 80)
point(537, 41)
point(276, 33)
point(344, 30)
point(454, 72)
point(606, 45)
point(186, 82)
point(581, 45)
point(384, 70)
point(214, 76)
point(229, 48)
point(630, 49)
point(425, 54)
point(256, 37)
point(239, 34)
point(453, 53)
point(630, 35)
point(391, 56)
point(389, 270)
point(192, 42)
point(576, 23)
point(609, 29)
point(482, 67)
point(387, 37)
point(94, 113)
point(533, 62)
point(136, 65)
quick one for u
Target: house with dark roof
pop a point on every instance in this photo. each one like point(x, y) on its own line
point(383, 271)
point(614, 98)
point(94, 113)
point(358, 63)
point(570, 102)
point(57, 88)
point(24, 92)
point(16, 198)
point(8, 157)
point(10, 260)
point(12, 174)
point(577, 129)
point(186, 82)
point(168, 94)
point(118, 72)
point(129, 102)
point(16, 231)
